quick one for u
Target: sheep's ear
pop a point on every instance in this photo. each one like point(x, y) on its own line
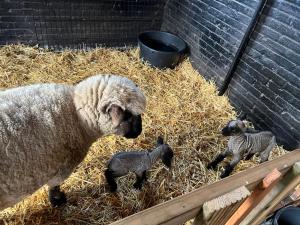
point(116, 114)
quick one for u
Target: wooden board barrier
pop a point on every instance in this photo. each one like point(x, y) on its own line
point(260, 191)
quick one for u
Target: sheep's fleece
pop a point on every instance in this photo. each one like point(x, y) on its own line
point(47, 129)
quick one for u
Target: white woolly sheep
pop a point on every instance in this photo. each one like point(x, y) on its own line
point(138, 162)
point(47, 129)
point(243, 143)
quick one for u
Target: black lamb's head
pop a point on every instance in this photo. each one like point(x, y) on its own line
point(167, 155)
point(234, 127)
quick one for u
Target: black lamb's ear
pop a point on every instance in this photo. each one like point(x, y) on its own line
point(160, 141)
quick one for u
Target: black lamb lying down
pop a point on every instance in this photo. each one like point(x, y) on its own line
point(243, 143)
point(138, 162)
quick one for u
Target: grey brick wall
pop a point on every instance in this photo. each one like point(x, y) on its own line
point(16, 23)
point(214, 29)
point(266, 84)
point(70, 23)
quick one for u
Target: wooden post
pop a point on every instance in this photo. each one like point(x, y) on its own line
point(278, 192)
point(258, 193)
point(218, 207)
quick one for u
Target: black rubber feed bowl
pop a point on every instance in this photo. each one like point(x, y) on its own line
point(161, 49)
point(287, 216)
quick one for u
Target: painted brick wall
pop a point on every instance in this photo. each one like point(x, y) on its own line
point(70, 23)
point(266, 84)
point(16, 23)
point(213, 28)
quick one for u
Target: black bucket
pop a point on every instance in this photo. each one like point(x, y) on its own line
point(161, 49)
point(287, 216)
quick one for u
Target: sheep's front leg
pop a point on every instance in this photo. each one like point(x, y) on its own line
point(57, 197)
point(110, 178)
point(213, 164)
point(229, 168)
point(140, 178)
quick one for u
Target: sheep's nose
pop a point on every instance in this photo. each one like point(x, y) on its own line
point(135, 128)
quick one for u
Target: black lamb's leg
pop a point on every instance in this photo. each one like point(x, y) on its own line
point(57, 197)
point(213, 164)
point(145, 176)
point(110, 178)
point(140, 180)
point(249, 156)
point(230, 167)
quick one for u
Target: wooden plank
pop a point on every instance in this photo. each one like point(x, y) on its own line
point(274, 192)
point(290, 200)
point(194, 200)
point(181, 219)
point(258, 193)
point(296, 194)
point(223, 201)
point(218, 207)
point(223, 215)
point(284, 187)
point(199, 219)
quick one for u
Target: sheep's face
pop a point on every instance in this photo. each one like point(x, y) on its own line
point(167, 155)
point(124, 123)
point(233, 127)
point(110, 104)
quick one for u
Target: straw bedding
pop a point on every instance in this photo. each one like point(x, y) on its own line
point(182, 106)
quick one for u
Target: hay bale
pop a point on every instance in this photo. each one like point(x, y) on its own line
point(182, 106)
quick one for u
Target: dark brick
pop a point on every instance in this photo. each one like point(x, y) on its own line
point(261, 105)
point(278, 15)
point(213, 18)
point(252, 4)
point(238, 7)
point(198, 20)
point(272, 94)
point(288, 7)
point(289, 43)
point(228, 11)
point(12, 4)
point(262, 70)
point(213, 51)
point(284, 30)
point(283, 53)
point(246, 75)
point(236, 27)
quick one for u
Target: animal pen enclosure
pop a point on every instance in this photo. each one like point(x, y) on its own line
point(264, 88)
